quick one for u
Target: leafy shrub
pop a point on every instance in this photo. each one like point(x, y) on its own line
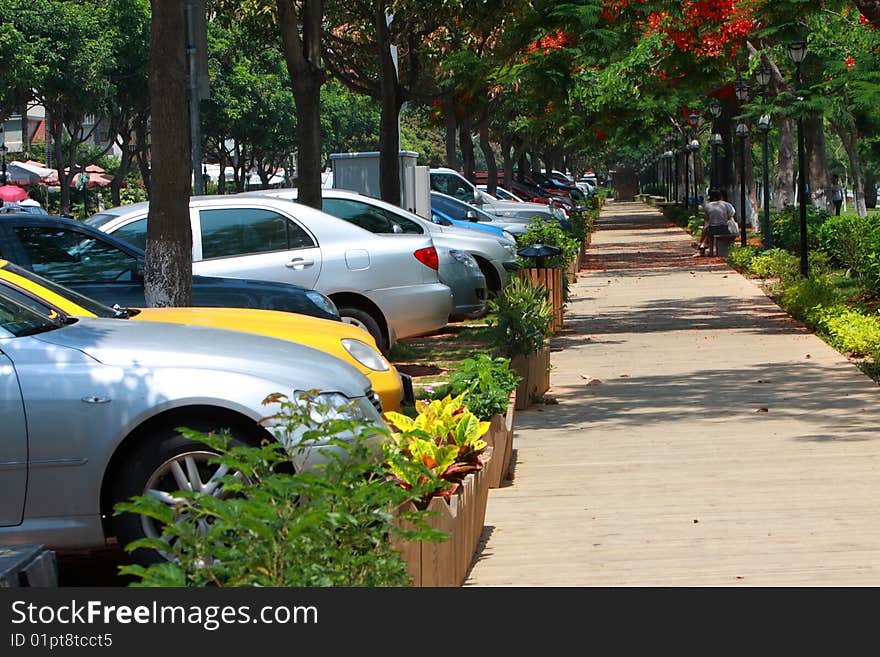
point(785, 228)
point(434, 451)
point(485, 382)
point(774, 263)
point(330, 526)
point(852, 332)
point(806, 298)
point(519, 317)
point(543, 231)
point(844, 238)
point(695, 224)
point(740, 257)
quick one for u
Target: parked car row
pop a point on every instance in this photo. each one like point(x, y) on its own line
point(94, 385)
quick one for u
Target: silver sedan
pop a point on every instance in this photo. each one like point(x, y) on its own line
point(387, 286)
point(89, 410)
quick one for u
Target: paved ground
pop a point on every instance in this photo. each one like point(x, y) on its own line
point(702, 437)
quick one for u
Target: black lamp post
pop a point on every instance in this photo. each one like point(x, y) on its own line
point(3, 151)
point(762, 74)
point(667, 159)
point(675, 178)
point(693, 146)
point(742, 133)
point(714, 142)
point(797, 51)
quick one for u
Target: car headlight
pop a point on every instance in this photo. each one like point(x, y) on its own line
point(508, 236)
point(559, 213)
point(510, 247)
point(327, 406)
point(464, 258)
point(365, 355)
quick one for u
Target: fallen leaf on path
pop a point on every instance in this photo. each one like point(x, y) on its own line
point(763, 410)
point(594, 382)
point(624, 376)
point(807, 356)
point(696, 521)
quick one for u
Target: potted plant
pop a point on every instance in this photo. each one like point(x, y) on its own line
point(441, 452)
point(488, 385)
point(520, 319)
point(554, 273)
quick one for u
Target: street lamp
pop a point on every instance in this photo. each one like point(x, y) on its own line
point(714, 141)
point(762, 75)
point(797, 51)
point(3, 151)
point(742, 132)
point(693, 118)
point(667, 156)
point(693, 146)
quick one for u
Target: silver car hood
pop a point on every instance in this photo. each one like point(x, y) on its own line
point(130, 343)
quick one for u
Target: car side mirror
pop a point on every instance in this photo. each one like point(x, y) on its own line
point(395, 228)
point(471, 215)
point(478, 197)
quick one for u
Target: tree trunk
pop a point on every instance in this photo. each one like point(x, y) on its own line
point(143, 156)
point(302, 55)
point(784, 182)
point(168, 267)
point(752, 214)
point(507, 156)
point(466, 143)
point(451, 127)
point(489, 154)
point(847, 136)
point(817, 161)
point(119, 176)
point(391, 102)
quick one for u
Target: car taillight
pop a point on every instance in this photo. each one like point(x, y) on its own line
point(428, 257)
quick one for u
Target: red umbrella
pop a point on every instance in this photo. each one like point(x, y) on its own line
point(12, 193)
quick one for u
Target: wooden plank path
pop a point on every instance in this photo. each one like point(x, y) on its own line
point(702, 437)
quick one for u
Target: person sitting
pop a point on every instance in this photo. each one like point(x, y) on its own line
point(717, 211)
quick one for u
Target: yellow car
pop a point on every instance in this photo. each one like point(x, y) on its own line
point(342, 340)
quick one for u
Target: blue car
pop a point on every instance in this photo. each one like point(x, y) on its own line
point(449, 211)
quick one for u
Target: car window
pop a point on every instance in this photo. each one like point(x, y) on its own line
point(451, 185)
point(369, 217)
point(68, 256)
point(240, 231)
point(21, 320)
point(134, 233)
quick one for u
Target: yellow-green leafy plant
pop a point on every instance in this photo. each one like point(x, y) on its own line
point(444, 440)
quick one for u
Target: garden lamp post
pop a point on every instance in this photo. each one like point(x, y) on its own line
point(797, 51)
point(667, 158)
point(675, 176)
point(3, 151)
point(762, 74)
point(742, 133)
point(693, 146)
point(714, 141)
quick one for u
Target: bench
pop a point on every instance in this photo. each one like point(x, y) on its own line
point(719, 245)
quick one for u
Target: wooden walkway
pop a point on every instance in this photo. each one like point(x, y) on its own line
point(701, 436)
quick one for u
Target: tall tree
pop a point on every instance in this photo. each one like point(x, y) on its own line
point(168, 267)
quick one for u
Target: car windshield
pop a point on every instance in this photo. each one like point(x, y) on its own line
point(458, 210)
point(98, 220)
point(89, 304)
point(19, 320)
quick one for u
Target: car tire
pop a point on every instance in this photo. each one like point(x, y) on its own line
point(149, 466)
point(363, 319)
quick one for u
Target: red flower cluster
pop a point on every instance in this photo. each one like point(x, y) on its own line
point(850, 63)
point(707, 28)
point(549, 42)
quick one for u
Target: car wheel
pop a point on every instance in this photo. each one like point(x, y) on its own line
point(159, 466)
point(362, 319)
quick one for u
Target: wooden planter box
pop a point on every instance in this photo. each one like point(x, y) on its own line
point(573, 269)
point(535, 372)
point(551, 279)
point(461, 517)
point(500, 439)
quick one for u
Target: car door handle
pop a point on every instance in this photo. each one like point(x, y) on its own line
point(299, 263)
